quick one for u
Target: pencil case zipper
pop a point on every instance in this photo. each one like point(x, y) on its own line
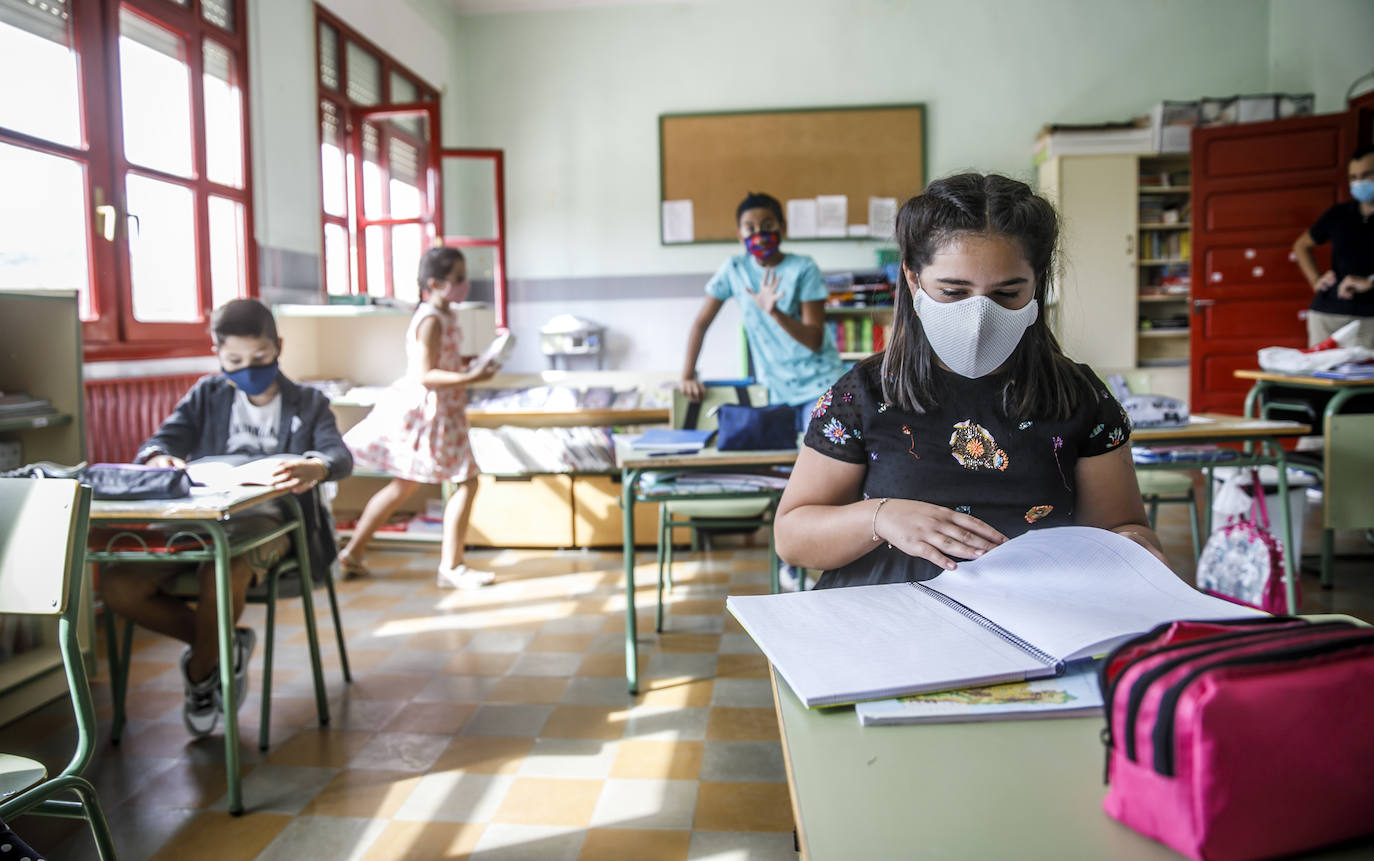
point(1163, 733)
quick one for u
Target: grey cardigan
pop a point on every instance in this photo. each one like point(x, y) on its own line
point(199, 427)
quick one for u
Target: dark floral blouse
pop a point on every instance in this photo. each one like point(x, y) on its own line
point(1015, 473)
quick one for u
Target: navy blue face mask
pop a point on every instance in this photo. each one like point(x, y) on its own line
point(253, 380)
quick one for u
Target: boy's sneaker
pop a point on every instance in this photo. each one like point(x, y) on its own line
point(244, 641)
point(200, 707)
point(788, 581)
point(463, 577)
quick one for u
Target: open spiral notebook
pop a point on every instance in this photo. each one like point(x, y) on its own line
point(1020, 612)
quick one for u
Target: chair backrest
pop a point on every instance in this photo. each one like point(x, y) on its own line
point(701, 416)
point(42, 544)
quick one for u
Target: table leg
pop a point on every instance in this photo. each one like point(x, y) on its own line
point(308, 602)
point(629, 479)
point(1286, 530)
point(224, 616)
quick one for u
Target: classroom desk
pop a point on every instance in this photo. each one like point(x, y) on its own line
point(632, 465)
point(1347, 500)
point(204, 513)
point(1213, 428)
point(996, 789)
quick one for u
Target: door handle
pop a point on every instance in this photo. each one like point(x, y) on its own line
point(1199, 304)
point(105, 216)
point(1130, 245)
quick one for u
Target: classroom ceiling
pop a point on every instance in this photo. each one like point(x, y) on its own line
point(492, 7)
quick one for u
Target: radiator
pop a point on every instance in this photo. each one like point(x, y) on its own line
point(122, 413)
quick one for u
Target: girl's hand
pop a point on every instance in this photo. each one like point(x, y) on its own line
point(298, 476)
point(165, 460)
point(693, 389)
point(767, 296)
point(1140, 538)
point(486, 372)
point(934, 532)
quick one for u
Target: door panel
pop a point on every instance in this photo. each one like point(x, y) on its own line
point(1256, 188)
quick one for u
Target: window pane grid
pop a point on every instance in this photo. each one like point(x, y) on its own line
point(36, 48)
point(329, 56)
point(364, 75)
point(218, 12)
point(223, 116)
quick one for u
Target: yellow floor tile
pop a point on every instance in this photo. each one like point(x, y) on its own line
point(425, 841)
point(484, 754)
point(658, 760)
point(363, 793)
point(561, 643)
point(370, 602)
point(151, 705)
point(706, 643)
point(609, 665)
point(549, 801)
point(480, 664)
point(190, 785)
point(727, 724)
point(711, 607)
point(618, 844)
point(741, 666)
point(387, 686)
point(743, 807)
point(527, 689)
point(439, 718)
point(679, 692)
point(320, 748)
point(586, 722)
point(213, 836)
point(438, 641)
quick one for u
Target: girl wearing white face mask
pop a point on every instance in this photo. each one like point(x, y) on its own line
point(972, 426)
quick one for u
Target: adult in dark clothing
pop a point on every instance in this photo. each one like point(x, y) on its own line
point(972, 426)
point(1345, 292)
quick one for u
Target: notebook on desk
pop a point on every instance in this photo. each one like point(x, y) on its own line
point(1020, 612)
point(676, 440)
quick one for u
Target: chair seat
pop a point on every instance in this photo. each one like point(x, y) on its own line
point(1164, 482)
point(18, 773)
point(725, 509)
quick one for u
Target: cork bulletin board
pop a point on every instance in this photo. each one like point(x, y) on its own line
point(715, 159)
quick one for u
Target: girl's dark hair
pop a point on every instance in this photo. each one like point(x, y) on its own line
point(1043, 382)
point(247, 318)
point(436, 263)
point(758, 200)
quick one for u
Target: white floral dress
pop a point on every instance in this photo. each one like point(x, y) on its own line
point(413, 432)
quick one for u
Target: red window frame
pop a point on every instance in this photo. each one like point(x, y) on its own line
point(112, 331)
point(349, 113)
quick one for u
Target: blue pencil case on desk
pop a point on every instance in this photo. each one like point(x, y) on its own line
point(136, 481)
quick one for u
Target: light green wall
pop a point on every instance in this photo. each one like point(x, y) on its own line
point(573, 96)
point(1320, 46)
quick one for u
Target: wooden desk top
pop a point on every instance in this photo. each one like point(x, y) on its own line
point(628, 458)
point(1302, 380)
point(204, 503)
point(1217, 426)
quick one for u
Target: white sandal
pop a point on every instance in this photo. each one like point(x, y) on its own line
point(462, 577)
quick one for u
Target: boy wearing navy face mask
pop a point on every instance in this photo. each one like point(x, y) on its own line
point(782, 298)
point(251, 409)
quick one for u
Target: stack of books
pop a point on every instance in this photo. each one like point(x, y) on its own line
point(858, 335)
point(19, 405)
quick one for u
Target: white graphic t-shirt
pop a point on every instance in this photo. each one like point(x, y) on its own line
point(253, 429)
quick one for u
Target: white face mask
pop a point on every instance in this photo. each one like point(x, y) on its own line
point(973, 336)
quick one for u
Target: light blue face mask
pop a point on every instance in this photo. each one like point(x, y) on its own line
point(1362, 190)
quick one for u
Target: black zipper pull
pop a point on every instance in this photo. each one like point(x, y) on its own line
point(1107, 757)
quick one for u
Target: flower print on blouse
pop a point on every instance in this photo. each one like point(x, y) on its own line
point(1014, 473)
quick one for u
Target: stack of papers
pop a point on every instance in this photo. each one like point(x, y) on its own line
point(676, 440)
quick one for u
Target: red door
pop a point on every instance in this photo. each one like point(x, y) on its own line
point(1256, 187)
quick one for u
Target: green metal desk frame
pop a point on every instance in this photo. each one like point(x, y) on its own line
point(220, 551)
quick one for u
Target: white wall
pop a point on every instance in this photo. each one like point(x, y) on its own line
point(1320, 47)
point(573, 96)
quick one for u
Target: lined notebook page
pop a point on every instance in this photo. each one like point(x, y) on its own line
point(1075, 591)
point(873, 642)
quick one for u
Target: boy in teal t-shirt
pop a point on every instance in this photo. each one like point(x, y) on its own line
point(782, 298)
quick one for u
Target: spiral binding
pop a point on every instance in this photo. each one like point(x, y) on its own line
point(984, 622)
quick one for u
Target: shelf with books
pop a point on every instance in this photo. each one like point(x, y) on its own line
point(1180, 332)
point(1181, 225)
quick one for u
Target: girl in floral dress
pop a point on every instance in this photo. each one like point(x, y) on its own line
point(418, 431)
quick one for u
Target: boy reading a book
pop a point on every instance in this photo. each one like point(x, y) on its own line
point(972, 425)
point(249, 409)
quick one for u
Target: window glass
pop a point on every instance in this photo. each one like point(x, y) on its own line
point(162, 250)
point(364, 76)
point(404, 185)
point(218, 12)
point(336, 280)
point(223, 117)
point(402, 89)
point(376, 260)
point(333, 169)
point(406, 248)
point(228, 250)
point(43, 224)
point(36, 48)
point(155, 89)
point(329, 56)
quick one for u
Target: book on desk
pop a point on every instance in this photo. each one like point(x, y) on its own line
point(1022, 611)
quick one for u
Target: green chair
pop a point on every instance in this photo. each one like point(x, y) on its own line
point(743, 512)
point(42, 565)
point(1160, 487)
point(282, 581)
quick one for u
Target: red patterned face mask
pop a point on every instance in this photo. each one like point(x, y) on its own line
point(763, 244)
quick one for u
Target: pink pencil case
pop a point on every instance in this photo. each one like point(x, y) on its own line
point(1242, 739)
